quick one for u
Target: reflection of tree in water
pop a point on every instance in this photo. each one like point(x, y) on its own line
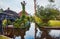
point(10, 32)
point(21, 32)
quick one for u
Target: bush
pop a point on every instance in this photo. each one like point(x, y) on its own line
point(19, 23)
point(4, 23)
point(37, 19)
point(9, 22)
point(54, 23)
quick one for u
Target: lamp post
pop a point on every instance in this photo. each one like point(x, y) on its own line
point(35, 6)
point(35, 13)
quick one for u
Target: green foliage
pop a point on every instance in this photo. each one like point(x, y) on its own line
point(47, 13)
point(1, 10)
point(54, 23)
point(22, 23)
point(31, 18)
point(9, 22)
point(51, 0)
point(37, 19)
point(17, 23)
point(4, 23)
point(24, 20)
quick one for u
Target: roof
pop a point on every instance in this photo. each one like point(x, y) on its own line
point(20, 13)
point(10, 12)
point(7, 16)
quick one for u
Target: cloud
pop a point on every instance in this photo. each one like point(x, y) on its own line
point(16, 6)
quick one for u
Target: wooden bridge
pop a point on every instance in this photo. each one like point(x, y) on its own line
point(45, 31)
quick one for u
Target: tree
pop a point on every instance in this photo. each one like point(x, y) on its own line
point(19, 23)
point(23, 21)
point(6, 22)
point(47, 13)
point(37, 20)
point(51, 0)
point(51, 3)
point(1, 10)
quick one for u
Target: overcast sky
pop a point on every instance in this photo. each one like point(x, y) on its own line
point(15, 5)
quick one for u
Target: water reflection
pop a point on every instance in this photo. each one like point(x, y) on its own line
point(38, 34)
point(18, 37)
point(28, 34)
point(53, 34)
point(31, 33)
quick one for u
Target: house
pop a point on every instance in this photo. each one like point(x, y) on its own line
point(7, 14)
point(10, 12)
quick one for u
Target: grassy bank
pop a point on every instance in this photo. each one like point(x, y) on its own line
point(4, 37)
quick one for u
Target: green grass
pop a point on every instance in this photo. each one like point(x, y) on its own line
point(4, 37)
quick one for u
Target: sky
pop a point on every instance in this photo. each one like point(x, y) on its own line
point(15, 5)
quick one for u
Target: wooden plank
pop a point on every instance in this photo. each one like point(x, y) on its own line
point(51, 28)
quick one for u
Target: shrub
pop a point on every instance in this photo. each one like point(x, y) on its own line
point(54, 23)
point(4, 23)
